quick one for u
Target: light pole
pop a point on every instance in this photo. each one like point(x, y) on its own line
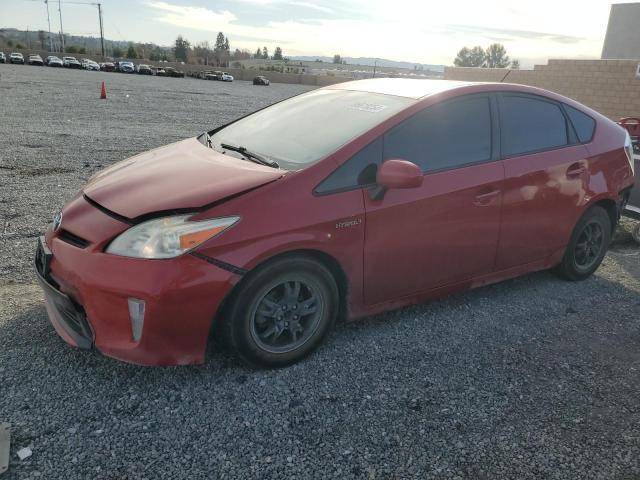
point(46, 2)
point(101, 28)
point(61, 30)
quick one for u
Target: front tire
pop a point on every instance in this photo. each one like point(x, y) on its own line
point(587, 246)
point(281, 312)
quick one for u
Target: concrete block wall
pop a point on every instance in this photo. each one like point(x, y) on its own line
point(608, 86)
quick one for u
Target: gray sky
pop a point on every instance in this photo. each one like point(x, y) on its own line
point(417, 31)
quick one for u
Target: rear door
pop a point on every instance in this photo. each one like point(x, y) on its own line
point(545, 178)
point(447, 229)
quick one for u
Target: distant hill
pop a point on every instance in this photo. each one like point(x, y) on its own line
point(370, 62)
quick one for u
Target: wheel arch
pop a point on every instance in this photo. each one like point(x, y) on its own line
point(327, 260)
point(611, 207)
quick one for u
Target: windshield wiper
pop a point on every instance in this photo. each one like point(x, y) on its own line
point(250, 155)
point(207, 139)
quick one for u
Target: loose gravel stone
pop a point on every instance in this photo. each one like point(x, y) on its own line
point(530, 378)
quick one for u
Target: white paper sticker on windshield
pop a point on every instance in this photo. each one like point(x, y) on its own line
point(368, 107)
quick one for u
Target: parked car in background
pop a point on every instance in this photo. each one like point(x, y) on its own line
point(53, 61)
point(144, 69)
point(89, 64)
point(17, 58)
point(172, 72)
point(226, 77)
point(415, 189)
point(35, 60)
point(125, 66)
point(203, 75)
point(71, 62)
point(217, 75)
point(3, 58)
point(159, 71)
point(107, 67)
point(260, 80)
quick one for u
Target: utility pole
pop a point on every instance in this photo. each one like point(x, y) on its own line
point(375, 64)
point(46, 2)
point(101, 28)
point(61, 30)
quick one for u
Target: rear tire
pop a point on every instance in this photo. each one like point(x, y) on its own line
point(281, 312)
point(587, 246)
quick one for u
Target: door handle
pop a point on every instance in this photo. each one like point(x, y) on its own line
point(575, 170)
point(485, 199)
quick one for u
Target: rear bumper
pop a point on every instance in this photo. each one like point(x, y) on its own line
point(87, 295)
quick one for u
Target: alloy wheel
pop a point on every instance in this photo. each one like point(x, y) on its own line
point(589, 245)
point(286, 316)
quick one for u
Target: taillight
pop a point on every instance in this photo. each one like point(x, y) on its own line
point(628, 149)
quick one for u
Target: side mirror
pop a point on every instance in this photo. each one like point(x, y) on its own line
point(396, 174)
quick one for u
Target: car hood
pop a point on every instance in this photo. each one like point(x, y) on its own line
point(180, 176)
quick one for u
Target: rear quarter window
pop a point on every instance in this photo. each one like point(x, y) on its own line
point(582, 123)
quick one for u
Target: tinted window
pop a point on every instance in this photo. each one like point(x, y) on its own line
point(583, 124)
point(359, 170)
point(443, 136)
point(529, 125)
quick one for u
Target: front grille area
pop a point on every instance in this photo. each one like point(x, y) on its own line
point(70, 316)
point(72, 239)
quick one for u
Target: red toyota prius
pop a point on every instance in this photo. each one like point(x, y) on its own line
point(341, 202)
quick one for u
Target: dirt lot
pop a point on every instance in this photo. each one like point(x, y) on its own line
point(531, 378)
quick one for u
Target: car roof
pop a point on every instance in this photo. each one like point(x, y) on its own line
point(401, 87)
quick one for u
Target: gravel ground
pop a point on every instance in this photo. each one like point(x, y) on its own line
point(530, 378)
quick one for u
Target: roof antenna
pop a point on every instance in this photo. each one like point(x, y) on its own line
point(507, 74)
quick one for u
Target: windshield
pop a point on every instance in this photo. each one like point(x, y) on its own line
point(304, 129)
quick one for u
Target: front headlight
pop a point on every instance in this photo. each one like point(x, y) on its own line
point(167, 237)
point(628, 148)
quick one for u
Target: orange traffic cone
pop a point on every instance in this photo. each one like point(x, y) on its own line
point(103, 92)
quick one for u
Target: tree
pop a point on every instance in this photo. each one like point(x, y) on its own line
point(466, 57)
point(221, 50)
point(181, 49)
point(241, 54)
point(82, 50)
point(258, 53)
point(478, 57)
point(463, 59)
point(158, 54)
point(337, 58)
point(497, 56)
point(117, 52)
point(515, 64)
point(219, 42)
point(131, 52)
point(69, 49)
point(265, 53)
point(277, 55)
